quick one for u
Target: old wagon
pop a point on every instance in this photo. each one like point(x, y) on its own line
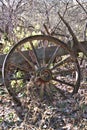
point(43, 62)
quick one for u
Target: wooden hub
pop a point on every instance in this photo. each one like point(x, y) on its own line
point(45, 74)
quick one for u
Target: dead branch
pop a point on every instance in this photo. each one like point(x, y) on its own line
point(47, 31)
point(75, 40)
point(59, 34)
point(53, 6)
point(82, 6)
point(19, 3)
point(85, 32)
point(54, 28)
point(47, 14)
point(69, 28)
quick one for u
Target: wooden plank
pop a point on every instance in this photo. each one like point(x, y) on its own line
point(49, 51)
point(17, 58)
point(40, 52)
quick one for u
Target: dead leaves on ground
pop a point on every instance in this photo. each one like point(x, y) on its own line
point(59, 114)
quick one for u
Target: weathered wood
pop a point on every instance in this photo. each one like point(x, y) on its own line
point(77, 47)
point(77, 44)
point(18, 59)
point(2, 57)
point(84, 44)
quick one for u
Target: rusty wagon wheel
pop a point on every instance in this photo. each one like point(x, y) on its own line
point(43, 60)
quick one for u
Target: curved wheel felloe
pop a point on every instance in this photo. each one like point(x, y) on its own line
point(42, 60)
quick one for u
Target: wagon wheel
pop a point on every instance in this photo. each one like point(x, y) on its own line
point(44, 60)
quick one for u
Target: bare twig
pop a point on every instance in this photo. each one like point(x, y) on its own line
point(85, 32)
point(47, 31)
point(84, 37)
point(19, 3)
point(82, 6)
point(75, 5)
point(53, 6)
point(4, 4)
point(53, 30)
point(59, 34)
point(69, 28)
point(47, 14)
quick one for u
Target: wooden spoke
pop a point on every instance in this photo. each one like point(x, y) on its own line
point(27, 60)
point(35, 53)
point(53, 56)
point(63, 82)
point(60, 63)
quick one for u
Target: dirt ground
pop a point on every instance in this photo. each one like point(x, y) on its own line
point(59, 113)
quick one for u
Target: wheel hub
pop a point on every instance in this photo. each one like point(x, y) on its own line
point(45, 74)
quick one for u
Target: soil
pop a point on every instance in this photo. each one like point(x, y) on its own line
point(56, 113)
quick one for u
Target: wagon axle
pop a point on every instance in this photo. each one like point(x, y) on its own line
point(44, 74)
